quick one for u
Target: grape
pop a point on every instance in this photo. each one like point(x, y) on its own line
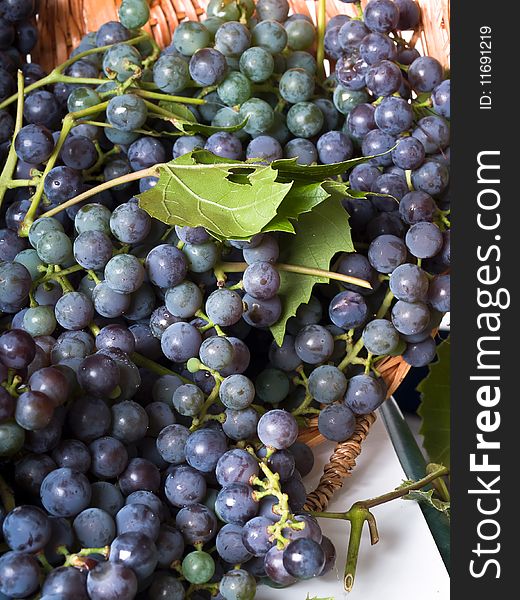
point(424, 74)
point(20, 574)
point(386, 253)
point(441, 99)
point(198, 567)
point(109, 457)
point(225, 145)
point(296, 85)
point(166, 266)
point(236, 466)
point(408, 154)
point(393, 115)
point(257, 64)
point(26, 529)
point(89, 217)
point(303, 150)
point(348, 310)
point(424, 239)
point(235, 504)
point(109, 303)
point(237, 584)
point(129, 421)
point(278, 429)
point(351, 34)
point(124, 273)
point(11, 438)
point(270, 36)
point(384, 78)
point(138, 518)
point(72, 454)
point(275, 569)
point(256, 537)
point(314, 344)
point(265, 148)
point(94, 528)
point(259, 115)
point(126, 112)
point(232, 39)
point(17, 348)
point(197, 523)
point(41, 107)
point(431, 177)
point(336, 422)
point(217, 353)
point(409, 282)
point(376, 47)
point(327, 384)
point(237, 392)
point(300, 34)
point(207, 66)
point(381, 16)
point(240, 424)
point(143, 153)
point(380, 337)
point(439, 293)
point(181, 342)
point(302, 60)
point(171, 73)
point(39, 320)
point(54, 247)
point(89, 418)
point(74, 311)
point(410, 318)
point(115, 336)
point(34, 144)
point(364, 394)
point(65, 582)
point(189, 37)
point(188, 399)
point(303, 457)
point(184, 486)
point(224, 307)
point(92, 250)
point(378, 142)
point(331, 42)
point(65, 493)
point(272, 9)
point(304, 119)
point(120, 62)
point(229, 544)
point(109, 580)
point(111, 32)
point(416, 207)
point(272, 386)
point(133, 14)
point(204, 448)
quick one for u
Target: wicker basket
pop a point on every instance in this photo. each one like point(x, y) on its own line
point(62, 24)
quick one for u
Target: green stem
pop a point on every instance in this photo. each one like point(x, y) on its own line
point(320, 50)
point(210, 400)
point(357, 520)
point(17, 183)
point(10, 163)
point(151, 365)
point(150, 172)
point(239, 267)
point(56, 75)
point(168, 98)
point(385, 305)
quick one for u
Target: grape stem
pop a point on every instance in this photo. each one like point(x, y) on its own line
point(10, 163)
point(6, 496)
point(359, 512)
point(320, 50)
point(239, 267)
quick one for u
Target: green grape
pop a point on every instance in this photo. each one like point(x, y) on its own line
point(231, 10)
point(31, 261)
point(93, 217)
point(190, 36)
point(259, 114)
point(12, 437)
point(257, 64)
point(227, 117)
point(54, 248)
point(278, 129)
point(302, 60)
point(134, 14)
point(296, 85)
point(39, 320)
point(235, 89)
point(212, 24)
point(81, 98)
point(270, 35)
point(300, 34)
point(198, 567)
point(41, 226)
point(272, 385)
point(121, 61)
point(345, 100)
point(304, 120)
point(171, 74)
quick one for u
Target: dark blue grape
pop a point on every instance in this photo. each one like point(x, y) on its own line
point(278, 429)
point(336, 422)
point(197, 523)
point(20, 574)
point(94, 528)
point(240, 424)
point(65, 493)
point(351, 35)
point(256, 537)
point(204, 448)
point(34, 144)
point(381, 15)
point(384, 78)
point(236, 466)
point(184, 486)
point(410, 318)
point(26, 529)
point(424, 74)
point(348, 310)
point(364, 394)
point(235, 504)
point(439, 293)
point(138, 518)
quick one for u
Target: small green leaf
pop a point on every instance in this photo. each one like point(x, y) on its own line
point(320, 234)
point(435, 407)
point(184, 120)
point(189, 193)
point(426, 497)
point(179, 110)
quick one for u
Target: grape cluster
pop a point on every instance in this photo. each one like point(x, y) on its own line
point(148, 419)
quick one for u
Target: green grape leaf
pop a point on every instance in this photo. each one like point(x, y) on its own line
point(189, 193)
point(320, 234)
point(426, 497)
point(435, 407)
point(179, 110)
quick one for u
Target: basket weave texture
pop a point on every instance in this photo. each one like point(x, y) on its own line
point(62, 24)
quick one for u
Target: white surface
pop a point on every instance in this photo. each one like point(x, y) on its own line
point(405, 563)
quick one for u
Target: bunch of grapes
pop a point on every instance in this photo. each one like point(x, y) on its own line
point(148, 419)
